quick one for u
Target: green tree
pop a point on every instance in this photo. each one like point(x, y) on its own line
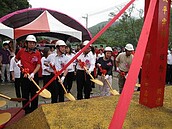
point(8, 6)
point(126, 30)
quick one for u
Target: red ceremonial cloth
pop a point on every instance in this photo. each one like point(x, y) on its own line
point(125, 98)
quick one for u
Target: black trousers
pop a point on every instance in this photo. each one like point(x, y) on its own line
point(57, 92)
point(169, 74)
point(28, 91)
point(17, 84)
point(69, 81)
point(83, 83)
point(46, 79)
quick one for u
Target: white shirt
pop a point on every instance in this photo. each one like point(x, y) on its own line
point(44, 67)
point(169, 59)
point(72, 65)
point(100, 55)
point(89, 61)
point(58, 61)
point(14, 67)
point(124, 61)
point(51, 59)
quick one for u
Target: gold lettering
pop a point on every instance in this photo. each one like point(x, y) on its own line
point(164, 21)
point(165, 1)
point(164, 9)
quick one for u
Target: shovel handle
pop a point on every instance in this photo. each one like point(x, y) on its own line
point(4, 96)
point(62, 85)
point(108, 83)
point(88, 72)
point(34, 82)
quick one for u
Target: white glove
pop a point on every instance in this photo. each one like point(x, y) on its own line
point(31, 76)
point(126, 76)
point(98, 64)
point(117, 69)
point(62, 79)
point(88, 72)
point(107, 76)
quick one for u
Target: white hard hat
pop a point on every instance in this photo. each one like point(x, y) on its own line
point(168, 51)
point(129, 47)
point(6, 42)
point(86, 42)
point(108, 49)
point(60, 43)
point(31, 38)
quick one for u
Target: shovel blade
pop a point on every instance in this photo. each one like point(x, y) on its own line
point(97, 82)
point(70, 97)
point(45, 94)
point(2, 103)
point(4, 117)
point(137, 85)
point(114, 92)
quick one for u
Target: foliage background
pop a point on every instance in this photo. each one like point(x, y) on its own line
point(126, 30)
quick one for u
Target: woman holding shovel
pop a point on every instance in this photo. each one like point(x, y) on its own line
point(105, 66)
point(85, 65)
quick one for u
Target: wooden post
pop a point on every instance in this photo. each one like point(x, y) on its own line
point(155, 58)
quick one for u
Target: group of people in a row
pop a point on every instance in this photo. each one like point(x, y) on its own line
point(29, 58)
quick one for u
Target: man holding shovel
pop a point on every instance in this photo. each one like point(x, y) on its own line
point(30, 59)
point(57, 61)
point(123, 62)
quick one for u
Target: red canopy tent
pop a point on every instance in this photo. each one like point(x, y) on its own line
point(42, 21)
point(47, 23)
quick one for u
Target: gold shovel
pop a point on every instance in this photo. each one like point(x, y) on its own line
point(92, 78)
point(68, 95)
point(137, 85)
point(45, 93)
point(4, 117)
point(12, 99)
point(114, 92)
point(2, 103)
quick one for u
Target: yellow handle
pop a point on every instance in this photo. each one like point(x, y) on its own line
point(62, 85)
point(34, 82)
point(88, 72)
point(4, 96)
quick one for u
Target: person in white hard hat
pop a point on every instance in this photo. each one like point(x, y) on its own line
point(71, 73)
point(58, 60)
point(82, 78)
point(5, 61)
point(105, 64)
point(169, 68)
point(123, 62)
point(31, 60)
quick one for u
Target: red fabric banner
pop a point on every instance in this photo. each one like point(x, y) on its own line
point(155, 60)
point(126, 96)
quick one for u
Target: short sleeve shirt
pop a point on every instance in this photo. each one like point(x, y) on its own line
point(29, 59)
point(124, 61)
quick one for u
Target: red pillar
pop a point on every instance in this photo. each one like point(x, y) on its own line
point(155, 59)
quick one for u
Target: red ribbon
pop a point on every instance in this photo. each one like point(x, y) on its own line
point(128, 90)
point(54, 69)
point(25, 71)
point(82, 64)
point(103, 71)
point(74, 58)
point(122, 74)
